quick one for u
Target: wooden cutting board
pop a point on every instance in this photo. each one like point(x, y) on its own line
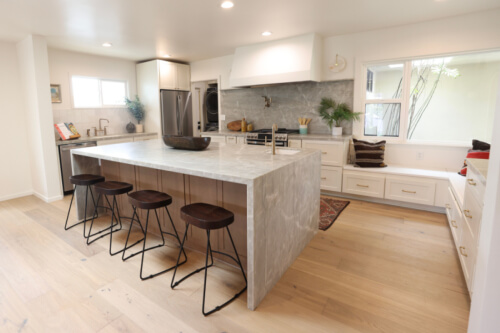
point(234, 125)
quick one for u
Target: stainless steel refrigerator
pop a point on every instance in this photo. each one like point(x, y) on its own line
point(176, 112)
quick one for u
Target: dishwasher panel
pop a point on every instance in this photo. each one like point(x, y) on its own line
point(65, 158)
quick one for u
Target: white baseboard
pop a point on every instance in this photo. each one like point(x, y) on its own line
point(46, 199)
point(427, 208)
point(15, 196)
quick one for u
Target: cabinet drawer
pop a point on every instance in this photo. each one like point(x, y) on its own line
point(219, 139)
point(369, 185)
point(474, 185)
point(231, 140)
point(241, 140)
point(331, 178)
point(295, 143)
point(331, 153)
point(410, 189)
point(472, 213)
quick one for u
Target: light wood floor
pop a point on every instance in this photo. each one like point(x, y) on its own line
point(377, 269)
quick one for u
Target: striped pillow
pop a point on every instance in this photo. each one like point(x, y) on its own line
point(369, 154)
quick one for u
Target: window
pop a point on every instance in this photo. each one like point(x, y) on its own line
point(447, 99)
point(90, 92)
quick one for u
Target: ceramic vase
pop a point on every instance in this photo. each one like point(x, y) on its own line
point(336, 131)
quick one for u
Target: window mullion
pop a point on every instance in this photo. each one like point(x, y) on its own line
point(405, 100)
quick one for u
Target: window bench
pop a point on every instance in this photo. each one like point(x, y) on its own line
point(429, 189)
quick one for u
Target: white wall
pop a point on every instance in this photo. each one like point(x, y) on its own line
point(15, 172)
point(34, 73)
point(484, 316)
point(64, 64)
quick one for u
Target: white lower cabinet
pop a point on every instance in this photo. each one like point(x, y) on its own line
point(363, 184)
point(331, 178)
point(332, 153)
point(241, 140)
point(410, 189)
point(145, 138)
point(114, 141)
point(295, 143)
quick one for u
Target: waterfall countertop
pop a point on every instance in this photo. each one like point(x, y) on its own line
point(234, 163)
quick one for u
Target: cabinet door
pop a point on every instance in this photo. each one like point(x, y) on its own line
point(183, 77)
point(331, 178)
point(410, 189)
point(241, 140)
point(363, 184)
point(168, 75)
point(295, 143)
point(332, 153)
point(218, 138)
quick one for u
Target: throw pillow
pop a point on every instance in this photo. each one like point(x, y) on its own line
point(369, 154)
point(483, 155)
point(480, 145)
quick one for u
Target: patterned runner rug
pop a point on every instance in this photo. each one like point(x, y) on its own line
point(329, 211)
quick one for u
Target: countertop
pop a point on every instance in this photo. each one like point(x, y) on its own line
point(85, 138)
point(480, 166)
point(234, 163)
point(319, 137)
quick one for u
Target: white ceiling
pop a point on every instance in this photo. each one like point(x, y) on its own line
point(199, 29)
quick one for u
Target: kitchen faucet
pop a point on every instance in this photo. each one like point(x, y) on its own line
point(105, 127)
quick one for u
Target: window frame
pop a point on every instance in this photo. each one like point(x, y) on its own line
point(99, 79)
point(404, 101)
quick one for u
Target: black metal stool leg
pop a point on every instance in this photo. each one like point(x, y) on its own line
point(105, 229)
point(176, 234)
point(128, 236)
point(163, 244)
point(69, 211)
point(115, 204)
point(172, 284)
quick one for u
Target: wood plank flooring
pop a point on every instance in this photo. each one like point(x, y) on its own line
point(377, 269)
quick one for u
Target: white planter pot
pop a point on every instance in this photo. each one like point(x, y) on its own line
point(337, 131)
point(140, 128)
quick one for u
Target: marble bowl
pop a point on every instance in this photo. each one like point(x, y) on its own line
point(186, 142)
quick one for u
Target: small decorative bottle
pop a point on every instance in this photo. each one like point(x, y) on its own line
point(243, 125)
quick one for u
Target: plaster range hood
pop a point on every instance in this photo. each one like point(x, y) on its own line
point(295, 59)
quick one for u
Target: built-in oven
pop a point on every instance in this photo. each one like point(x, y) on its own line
point(260, 137)
point(258, 142)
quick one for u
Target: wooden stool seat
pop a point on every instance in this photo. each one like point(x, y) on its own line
point(86, 179)
point(149, 199)
point(206, 216)
point(113, 188)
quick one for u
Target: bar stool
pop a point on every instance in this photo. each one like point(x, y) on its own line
point(208, 217)
point(83, 180)
point(150, 200)
point(109, 188)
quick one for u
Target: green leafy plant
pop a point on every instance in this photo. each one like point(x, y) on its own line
point(334, 113)
point(136, 108)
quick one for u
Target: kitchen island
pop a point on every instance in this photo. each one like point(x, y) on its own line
point(275, 198)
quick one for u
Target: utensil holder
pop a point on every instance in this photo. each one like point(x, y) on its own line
point(303, 129)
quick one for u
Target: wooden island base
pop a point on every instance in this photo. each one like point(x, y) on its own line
point(185, 190)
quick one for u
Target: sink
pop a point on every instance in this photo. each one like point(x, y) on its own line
point(281, 151)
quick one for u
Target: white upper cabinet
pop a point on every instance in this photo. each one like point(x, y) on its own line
point(174, 76)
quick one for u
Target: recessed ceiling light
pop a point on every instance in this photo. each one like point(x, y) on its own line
point(227, 4)
point(107, 44)
point(267, 33)
point(166, 56)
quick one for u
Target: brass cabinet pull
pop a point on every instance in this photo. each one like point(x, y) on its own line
point(471, 182)
point(366, 186)
point(447, 206)
point(462, 249)
point(413, 192)
point(324, 152)
point(454, 223)
point(323, 178)
point(466, 213)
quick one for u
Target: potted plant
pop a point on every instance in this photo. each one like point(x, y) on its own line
point(334, 113)
point(136, 108)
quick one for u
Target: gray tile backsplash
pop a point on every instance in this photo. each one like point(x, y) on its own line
point(289, 102)
point(84, 119)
